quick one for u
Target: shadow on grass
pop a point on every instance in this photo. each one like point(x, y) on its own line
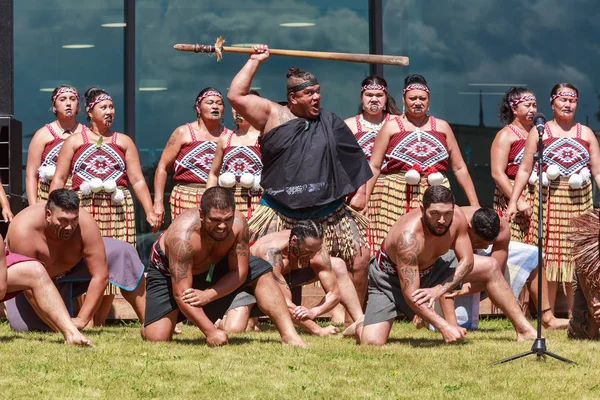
point(423, 343)
point(233, 341)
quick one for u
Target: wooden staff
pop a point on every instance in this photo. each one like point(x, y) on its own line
point(218, 49)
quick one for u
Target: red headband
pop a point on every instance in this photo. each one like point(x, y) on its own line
point(415, 86)
point(97, 100)
point(373, 86)
point(65, 89)
point(522, 99)
point(562, 93)
point(208, 94)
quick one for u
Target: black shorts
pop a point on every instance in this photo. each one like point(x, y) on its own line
point(159, 290)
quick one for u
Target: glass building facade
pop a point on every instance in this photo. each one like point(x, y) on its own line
point(470, 52)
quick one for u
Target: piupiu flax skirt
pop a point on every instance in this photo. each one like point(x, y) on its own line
point(185, 196)
point(521, 227)
point(44, 187)
point(391, 198)
point(560, 205)
point(246, 200)
point(344, 229)
point(116, 221)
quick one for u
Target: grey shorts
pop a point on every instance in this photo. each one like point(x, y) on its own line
point(386, 300)
point(295, 280)
point(159, 290)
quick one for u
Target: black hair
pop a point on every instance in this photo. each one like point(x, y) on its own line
point(65, 199)
point(90, 95)
point(486, 223)
point(217, 197)
point(295, 74)
point(505, 112)
point(414, 78)
point(563, 85)
point(390, 103)
point(306, 228)
point(437, 194)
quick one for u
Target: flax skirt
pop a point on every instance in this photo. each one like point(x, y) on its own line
point(185, 196)
point(560, 205)
point(392, 197)
point(521, 227)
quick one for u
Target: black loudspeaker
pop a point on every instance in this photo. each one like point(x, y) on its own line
point(11, 169)
point(6, 60)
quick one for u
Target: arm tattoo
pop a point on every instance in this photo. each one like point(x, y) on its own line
point(274, 257)
point(463, 268)
point(181, 258)
point(407, 253)
point(326, 259)
point(172, 139)
point(285, 114)
point(241, 248)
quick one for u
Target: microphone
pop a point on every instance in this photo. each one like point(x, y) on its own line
point(539, 120)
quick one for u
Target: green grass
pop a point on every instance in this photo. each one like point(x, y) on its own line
point(415, 364)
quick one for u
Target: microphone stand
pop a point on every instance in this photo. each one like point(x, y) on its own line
point(539, 345)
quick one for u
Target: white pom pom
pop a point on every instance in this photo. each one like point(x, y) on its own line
point(575, 181)
point(533, 178)
point(96, 185)
point(256, 186)
point(109, 186)
point(553, 172)
point(42, 174)
point(50, 170)
point(585, 174)
point(412, 177)
point(118, 196)
point(227, 179)
point(247, 180)
point(85, 189)
point(435, 179)
point(545, 181)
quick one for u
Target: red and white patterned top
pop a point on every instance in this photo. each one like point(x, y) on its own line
point(51, 149)
point(424, 148)
point(104, 162)
point(366, 139)
point(515, 155)
point(195, 159)
point(570, 155)
point(240, 159)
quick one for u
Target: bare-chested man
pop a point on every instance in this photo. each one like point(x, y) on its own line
point(426, 254)
point(198, 267)
point(19, 273)
point(487, 229)
point(67, 241)
point(311, 162)
point(298, 258)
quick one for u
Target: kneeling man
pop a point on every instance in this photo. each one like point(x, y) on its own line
point(298, 258)
point(199, 264)
point(66, 239)
point(425, 255)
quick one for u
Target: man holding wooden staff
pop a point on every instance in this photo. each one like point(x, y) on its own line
point(311, 163)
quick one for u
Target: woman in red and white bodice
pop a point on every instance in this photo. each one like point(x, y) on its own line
point(102, 163)
point(571, 158)
point(411, 152)
point(517, 110)
point(237, 165)
point(47, 142)
point(190, 152)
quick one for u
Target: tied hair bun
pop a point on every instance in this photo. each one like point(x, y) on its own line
point(292, 71)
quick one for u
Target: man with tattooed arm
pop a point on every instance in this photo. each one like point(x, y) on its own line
point(426, 254)
point(299, 258)
point(198, 267)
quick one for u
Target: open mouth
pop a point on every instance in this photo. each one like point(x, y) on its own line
point(239, 118)
point(215, 113)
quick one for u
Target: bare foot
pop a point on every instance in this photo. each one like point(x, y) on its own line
point(78, 340)
point(177, 330)
point(555, 323)
point(419, 322)
point(328, 331)
point(531, 334)
point(338, 314)
point(295, 342)
point(252, 325)
point(351, 330)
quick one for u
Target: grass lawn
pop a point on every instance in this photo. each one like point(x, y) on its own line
point(415, 364)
